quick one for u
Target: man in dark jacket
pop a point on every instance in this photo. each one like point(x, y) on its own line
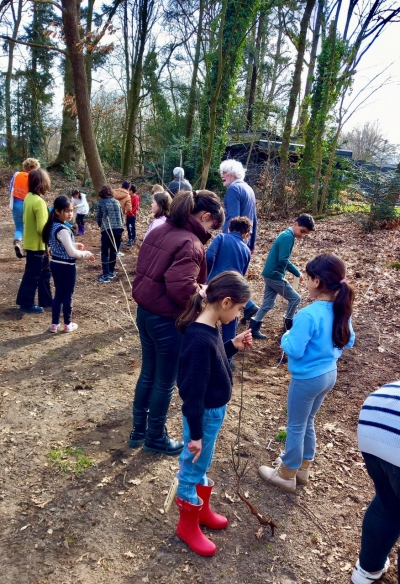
point(179, 183)
point(239, 201)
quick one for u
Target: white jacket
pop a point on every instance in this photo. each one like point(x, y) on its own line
point(82, 205)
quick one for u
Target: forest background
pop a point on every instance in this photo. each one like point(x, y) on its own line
point(152, 84)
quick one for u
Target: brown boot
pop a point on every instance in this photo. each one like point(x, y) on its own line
point(303, 472)
point(281, 476)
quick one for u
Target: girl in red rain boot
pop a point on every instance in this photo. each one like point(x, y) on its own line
point(205, 386)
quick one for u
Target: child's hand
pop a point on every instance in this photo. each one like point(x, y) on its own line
point(243, 340)
point(91, 258)
point(80, 246)
point(194, 447)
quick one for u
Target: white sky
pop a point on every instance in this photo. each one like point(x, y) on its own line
point(384, 105)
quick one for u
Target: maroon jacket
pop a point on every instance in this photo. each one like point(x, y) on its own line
point(170, 265)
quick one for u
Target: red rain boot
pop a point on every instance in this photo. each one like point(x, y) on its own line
point(189, 531)
point(207, 516)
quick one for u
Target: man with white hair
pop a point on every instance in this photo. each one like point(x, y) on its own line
point(179, 183)
point(239, 201)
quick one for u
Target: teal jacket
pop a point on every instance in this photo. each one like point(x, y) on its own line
point(278, 260)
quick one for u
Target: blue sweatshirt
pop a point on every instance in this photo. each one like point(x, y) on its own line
point(278, 260)
point(240, 201)
point(227, 252)
point(308, 344)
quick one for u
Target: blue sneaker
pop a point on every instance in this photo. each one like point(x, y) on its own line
point(104, 278)
point(129, 243)
point(112, 275)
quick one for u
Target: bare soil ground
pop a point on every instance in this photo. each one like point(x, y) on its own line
point(74, 391)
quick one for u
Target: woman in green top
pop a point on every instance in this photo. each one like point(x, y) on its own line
point(37, 273)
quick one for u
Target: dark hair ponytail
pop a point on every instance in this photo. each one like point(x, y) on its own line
point(226, 285)
point(187, 203)
point(331, 271)
point(60, 204)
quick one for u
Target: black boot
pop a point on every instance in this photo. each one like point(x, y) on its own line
point(255, 326)
point(248, 313)
point(138, 433)
point(288, 323)
point(157, 439)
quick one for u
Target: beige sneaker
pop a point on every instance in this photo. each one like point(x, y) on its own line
point(303, 473)
point(281, 476)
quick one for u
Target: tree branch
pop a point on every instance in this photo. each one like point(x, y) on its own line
point(37, 46)
point(49, 2)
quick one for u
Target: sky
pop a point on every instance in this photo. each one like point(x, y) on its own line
point(384, 105)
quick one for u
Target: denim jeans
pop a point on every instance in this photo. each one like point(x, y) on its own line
point(284, 289)
point(36, 277)
point(131, 228)
point(110, 244)
point(18, 216)
point(64, 282)
point(191, 474)
point(161, 345)
point(381, 523)
point(305, 397)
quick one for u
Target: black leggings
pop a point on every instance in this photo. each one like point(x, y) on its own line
point(80, 219)
point(64, 277)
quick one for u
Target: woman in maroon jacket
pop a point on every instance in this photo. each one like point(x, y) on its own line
point(171, 267)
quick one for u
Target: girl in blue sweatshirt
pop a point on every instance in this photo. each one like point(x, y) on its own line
point(320, 332)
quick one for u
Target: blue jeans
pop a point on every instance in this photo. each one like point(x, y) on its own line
point(161, 345)
point(110, 244)
point(381, 523)
point(191, 474)
point(64, 278)
point(131, 227)
point(284, 289)
point(18, 216)
point(305, 397)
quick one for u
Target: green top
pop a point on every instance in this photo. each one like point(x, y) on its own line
point(278, 260)
point(35, 218)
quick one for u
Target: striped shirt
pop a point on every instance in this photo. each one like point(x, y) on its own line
point(379, 424)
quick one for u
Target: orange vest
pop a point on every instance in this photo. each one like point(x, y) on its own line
point(20, 187)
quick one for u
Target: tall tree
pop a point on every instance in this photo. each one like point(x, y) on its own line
point(294, 93)
point(16, 17)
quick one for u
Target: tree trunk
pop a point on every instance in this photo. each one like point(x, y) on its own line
point(311, 67)
point(328, 172)
point(7, 85)
point(69, 145)
point(254, 74)
point(89, 55)
point(294, 93)
point(70, 17)
point(145, 11)
point(192, 94)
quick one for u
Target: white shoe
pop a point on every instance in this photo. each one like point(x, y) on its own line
point(360, 576)
point(120, 254)
point(72, 326)
point(53, 328)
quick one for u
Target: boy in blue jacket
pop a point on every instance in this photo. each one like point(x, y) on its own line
point(278, 262)
point(228, 251)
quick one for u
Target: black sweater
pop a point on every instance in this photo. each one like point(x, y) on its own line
point(204, 376)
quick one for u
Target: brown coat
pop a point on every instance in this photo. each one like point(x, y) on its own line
point(171, 265)
point(124, 199)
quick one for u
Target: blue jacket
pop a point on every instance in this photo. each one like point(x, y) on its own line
point(227, 252)
point(240, 201)
point(309, 345)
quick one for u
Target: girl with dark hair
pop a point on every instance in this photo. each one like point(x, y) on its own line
point(81, 209)
point(160, 205)
point(65, 251)
point(37, 273)
point(171, 267)
point(205, 386)
point(111, 223)
point(131, 216)
point(313, 345)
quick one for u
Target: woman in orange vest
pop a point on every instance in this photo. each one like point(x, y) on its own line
point(18, 192)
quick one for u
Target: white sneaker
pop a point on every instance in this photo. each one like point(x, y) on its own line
point(120, 254)
point(360, 576)
point(72, 326)
point(53, 328)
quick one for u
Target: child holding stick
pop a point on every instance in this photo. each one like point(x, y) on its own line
point(205, 386)
point(111, 223)
point(313, 345)
point(65, 252)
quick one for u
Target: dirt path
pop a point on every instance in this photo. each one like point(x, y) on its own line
point(105, 525)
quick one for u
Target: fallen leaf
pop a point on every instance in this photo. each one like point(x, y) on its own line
point(129, 554)
point(283, 536)
point(134, 481)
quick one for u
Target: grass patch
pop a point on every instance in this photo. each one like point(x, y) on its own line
point(395, 265)
point(281, 436)
point(70, 459)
